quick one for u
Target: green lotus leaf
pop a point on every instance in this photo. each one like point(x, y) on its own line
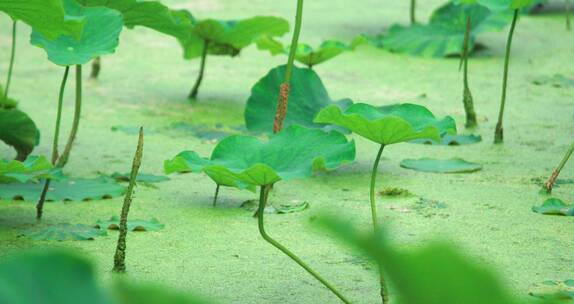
point(554, 290)
point(32, 169)
point(554, 206)
point(306, 98)
point(454, 165)
point(306, 54)
point(45, 16)
point(388, 125)
point(18, 130)
point(450, 140)
point(65, 190)
point(65, 232)
point(229, 37)
point(150, 14)
point(100, 36)
point(133, 225)
point(56, 276)
point(295, 152)
point(444, 35)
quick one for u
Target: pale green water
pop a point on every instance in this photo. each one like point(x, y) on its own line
point(218, 252)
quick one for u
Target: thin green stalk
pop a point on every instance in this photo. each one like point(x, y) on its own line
point(12, 57)
point(413, 11)
point(550, 183)
point(283, 102)
point(499, 132)
point(42, 200)
point(261, 213)
point(63, 160)
point(376, 227)
point(467, 100)
point(568, 22)
point(216, 195)
point(120, 255)
point(195, 89)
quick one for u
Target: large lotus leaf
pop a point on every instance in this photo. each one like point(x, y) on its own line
point(100, 36)
point(65, 232)
point(388, 125)
point(19, 131)
point(454, 165)
point(554, 206)
point(65, 190)
point(130, 293)
point(32, 169)
point(228, 37)
point(306, 98)
point(500, 5)
point(444, 35)
point(133, 225)
point(306, 54)
point(45, 16)
point(295, 152)
point(150, 14)
point(49, 276)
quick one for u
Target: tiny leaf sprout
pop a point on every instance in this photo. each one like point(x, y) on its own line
point(386, 126)
point(100, 36)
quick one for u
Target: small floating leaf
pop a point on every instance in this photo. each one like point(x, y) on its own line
point(32, 169)
point(306, 99)
point(450, 140)
point(295, 152)
point(557, 81)
point(65, 190)
point(395, 192)
point(65, 232)
point(454, 165)
point(554, 206)
point(294, 207)
point(133, 225)
point(390, 124)
point(555, 290)
point(100, 36)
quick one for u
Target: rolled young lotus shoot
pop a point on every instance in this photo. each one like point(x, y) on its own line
point(120, 255)
point(550, 183)
point(96, 68)
point(499, 131)
point(467, 99)
point(283, 102)
point(12, 57)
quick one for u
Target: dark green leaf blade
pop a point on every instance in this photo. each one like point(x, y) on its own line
point(19, 131)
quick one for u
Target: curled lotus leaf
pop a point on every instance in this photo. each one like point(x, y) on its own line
point(388, 125)
point(32, 169)
point(295, 152)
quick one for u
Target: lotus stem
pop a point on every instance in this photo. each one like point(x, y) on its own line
point(499, 132)
point(96, 68)
point(120, 255)
point(467, 99)
point(195, 89)
point(550, 183)
point(216, 195)
point(376, 227)
point(12, 58)
point(568, 22)
point(63, 160)
point(283, 102)
point(42, 200)
point(261, 213)
point(413, 11)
